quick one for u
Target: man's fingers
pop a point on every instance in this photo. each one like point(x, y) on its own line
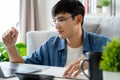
point(10, 36)
point(67, 70)
point(72, 70)
point(15, 33)
point(76, 73)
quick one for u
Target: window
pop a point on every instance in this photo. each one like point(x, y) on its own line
point(9, 15)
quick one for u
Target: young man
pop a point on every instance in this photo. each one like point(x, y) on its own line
point(68, 48)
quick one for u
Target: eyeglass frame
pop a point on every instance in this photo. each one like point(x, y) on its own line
point(60, 21)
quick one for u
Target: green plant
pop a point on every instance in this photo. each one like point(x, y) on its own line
point(99, 6)
point(104, 2)
point(21, 47)
point(111, 56)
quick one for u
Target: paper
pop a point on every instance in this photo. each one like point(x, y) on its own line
point(58, 72)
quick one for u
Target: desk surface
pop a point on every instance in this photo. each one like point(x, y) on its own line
point(56, 71)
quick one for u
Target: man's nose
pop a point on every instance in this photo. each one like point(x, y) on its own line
point(57, 25)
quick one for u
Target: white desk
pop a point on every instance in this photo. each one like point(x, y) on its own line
point(56, 71)
point(15, 78)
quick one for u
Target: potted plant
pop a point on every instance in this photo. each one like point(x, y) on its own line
point(104, 2)
point(21, 47)
point(105, 5)
point(99, 7)
point(110, 63)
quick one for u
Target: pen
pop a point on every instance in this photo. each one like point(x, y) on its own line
point(17, 24)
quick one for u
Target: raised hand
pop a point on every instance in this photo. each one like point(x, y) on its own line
point(10, 37)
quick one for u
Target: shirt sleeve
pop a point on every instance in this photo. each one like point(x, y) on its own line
point(37, 56)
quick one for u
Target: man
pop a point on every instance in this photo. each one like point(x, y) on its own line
point(68, 48)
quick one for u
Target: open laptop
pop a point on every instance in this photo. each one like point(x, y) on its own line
point(8, 69)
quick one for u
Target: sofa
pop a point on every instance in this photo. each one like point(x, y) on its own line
point(108, 26)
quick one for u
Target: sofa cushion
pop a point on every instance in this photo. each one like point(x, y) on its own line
point(90, 27)
point(110, 27)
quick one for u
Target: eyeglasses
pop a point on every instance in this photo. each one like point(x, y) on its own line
point(59, 21)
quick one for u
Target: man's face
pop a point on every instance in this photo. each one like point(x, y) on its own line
point(65, 25)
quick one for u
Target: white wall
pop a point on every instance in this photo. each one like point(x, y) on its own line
point(118, 8)
point(50, 4)
point(42, 12)
point(45, 13)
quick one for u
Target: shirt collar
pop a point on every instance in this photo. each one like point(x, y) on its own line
point(86, 44)
point(62, 44)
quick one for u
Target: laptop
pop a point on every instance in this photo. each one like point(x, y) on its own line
point(8, 69)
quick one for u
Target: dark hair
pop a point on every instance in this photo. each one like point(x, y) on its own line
point(74, 7)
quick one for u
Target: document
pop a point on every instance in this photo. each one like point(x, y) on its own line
point(58, 73)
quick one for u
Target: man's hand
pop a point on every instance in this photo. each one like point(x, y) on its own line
point(10, 37)
point(74, 68)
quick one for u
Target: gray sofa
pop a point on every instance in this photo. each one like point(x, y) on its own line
point(108, 26)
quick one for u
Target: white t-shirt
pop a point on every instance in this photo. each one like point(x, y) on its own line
point(73, 53)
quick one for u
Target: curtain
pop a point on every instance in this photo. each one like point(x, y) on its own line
point(29, 18)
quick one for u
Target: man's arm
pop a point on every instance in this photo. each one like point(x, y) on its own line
point(9, 39)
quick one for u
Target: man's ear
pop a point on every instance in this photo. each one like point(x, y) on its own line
point(79, 19)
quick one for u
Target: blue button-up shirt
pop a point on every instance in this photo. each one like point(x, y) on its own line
point(54, 52)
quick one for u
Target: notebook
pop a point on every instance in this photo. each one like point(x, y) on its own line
point(8, 69)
